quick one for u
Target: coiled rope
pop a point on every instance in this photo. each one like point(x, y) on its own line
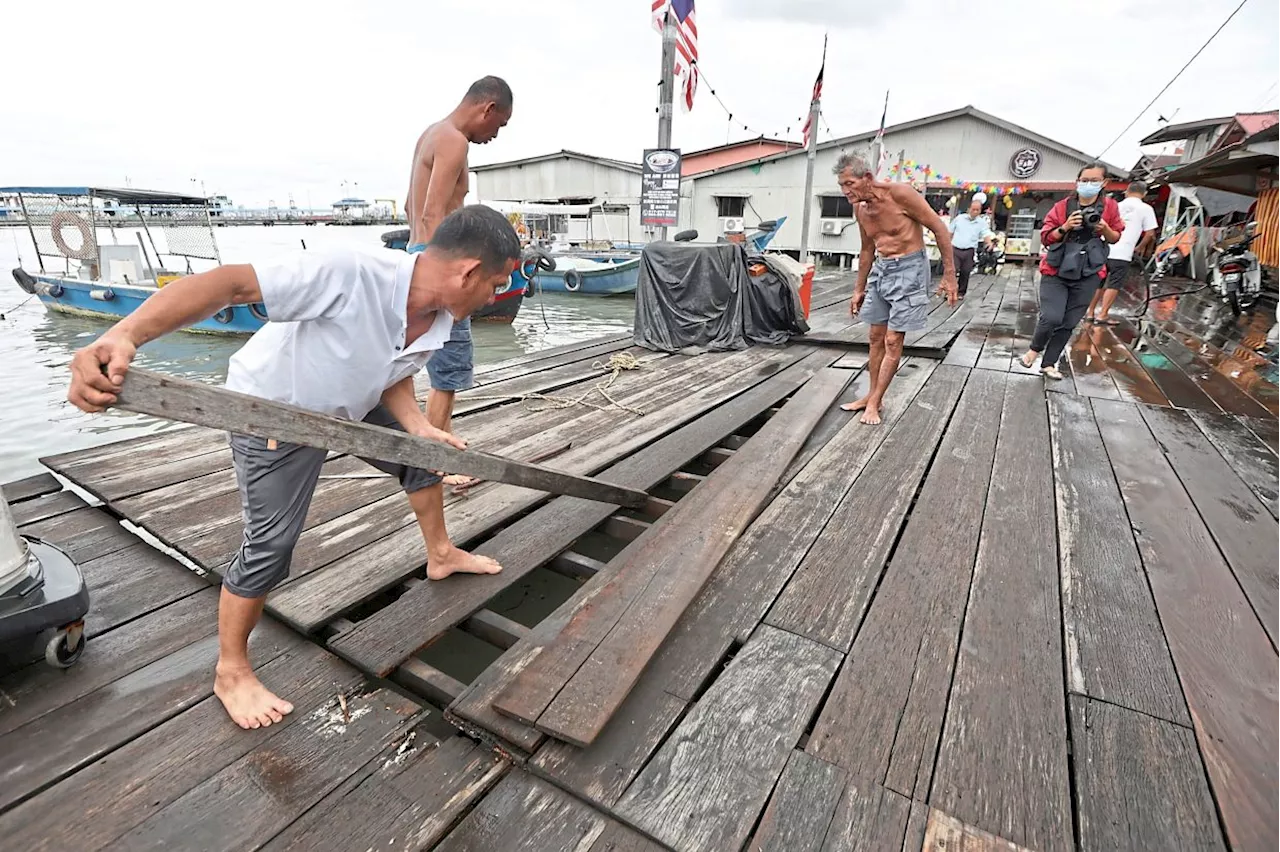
point(618, 363)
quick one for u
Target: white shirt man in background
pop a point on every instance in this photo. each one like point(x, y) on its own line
point(347, 332)
point(1138, 236)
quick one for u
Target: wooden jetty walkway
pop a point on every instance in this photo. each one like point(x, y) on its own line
point(1017, 615)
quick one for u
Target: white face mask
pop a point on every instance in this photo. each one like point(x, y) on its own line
point(1088, 188)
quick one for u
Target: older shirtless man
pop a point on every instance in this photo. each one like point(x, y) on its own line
point(437, 187)
point(892, 293)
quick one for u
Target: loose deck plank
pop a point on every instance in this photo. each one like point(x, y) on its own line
point(273, 785)
point(418, 788)
point(83, 534)
point(1139, 782)
point(710, 780)
point(530, 362)
point(544, 381)
point(162, 447)
point(1002, 762)
point(1223, 657)
point(660, 582)
point(48, 506)
point(884, 715)
point(1115, 647)
point(1245, 452)
point(117, 792)
point(30, 488)
point(826, 598)
point(525, 814)
point(945, 833)
point(380, 642)
point(868, 817)
point(132, 582)
point(58, 743)
point(1266, 428)
point(1236, 519)
point(800, 810)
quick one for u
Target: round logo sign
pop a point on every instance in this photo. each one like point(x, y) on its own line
point(1025, 163)
point(662, 161)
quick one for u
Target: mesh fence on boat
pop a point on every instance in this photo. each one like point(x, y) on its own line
point(61, 226)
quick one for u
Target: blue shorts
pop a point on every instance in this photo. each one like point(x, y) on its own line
point(451, 368)
point(898, 292)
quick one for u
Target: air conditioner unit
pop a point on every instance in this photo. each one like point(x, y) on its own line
point(831, 226)
point(731, 225)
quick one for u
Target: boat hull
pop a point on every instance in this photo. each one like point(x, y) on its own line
point(616, 279)
point(94, 299)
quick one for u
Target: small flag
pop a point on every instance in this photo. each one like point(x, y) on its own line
point(686, 44)
point(878, 144)
point(810, 132)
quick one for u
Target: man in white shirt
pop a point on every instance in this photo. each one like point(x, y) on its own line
point(347, 332)
point(1138, 235)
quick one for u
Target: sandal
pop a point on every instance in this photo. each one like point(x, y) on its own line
point(1051, 373)
point(1032, 356)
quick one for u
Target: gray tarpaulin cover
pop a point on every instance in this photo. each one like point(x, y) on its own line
point(693, 297)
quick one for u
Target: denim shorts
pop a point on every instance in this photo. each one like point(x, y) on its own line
point(898, 292)
point(451, 368)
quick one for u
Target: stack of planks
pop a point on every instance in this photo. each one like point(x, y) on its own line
point(579, 680)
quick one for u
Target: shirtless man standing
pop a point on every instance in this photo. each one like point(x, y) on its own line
point(437, 186)
point(895, 287)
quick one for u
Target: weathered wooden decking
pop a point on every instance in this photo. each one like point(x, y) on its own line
point(1009, 617)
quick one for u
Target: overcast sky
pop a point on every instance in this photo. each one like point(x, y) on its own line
point(266, 98)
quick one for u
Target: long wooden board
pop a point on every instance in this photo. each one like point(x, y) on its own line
point(578, 682)
point(1247, 455)
point(380, 642)
point(1224, 659)
point(145, 392)
point(1002, 761)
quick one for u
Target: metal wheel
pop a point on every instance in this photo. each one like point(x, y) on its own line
point(65, 647)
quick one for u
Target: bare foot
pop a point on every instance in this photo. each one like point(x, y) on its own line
point(856, 405)
point(460, 562)
point(870, 417)
point(247, 701)
point(457, 479)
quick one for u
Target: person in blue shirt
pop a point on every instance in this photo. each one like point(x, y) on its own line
point(967, 230)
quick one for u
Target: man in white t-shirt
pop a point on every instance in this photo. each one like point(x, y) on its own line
point(1138, 235)
point(347, 332)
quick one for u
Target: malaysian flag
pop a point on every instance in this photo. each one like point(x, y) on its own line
point(817, 94)
point(686, 44)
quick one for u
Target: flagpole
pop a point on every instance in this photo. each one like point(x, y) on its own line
point(877, 150)
point(665, 93)
point(812, 158)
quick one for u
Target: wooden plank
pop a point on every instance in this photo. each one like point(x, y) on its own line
point(144, 392)
point(577, 683)
point(1115, 647)
point(801, 807)
point(495, 628)
point(1224, 660)
point(1088, 371)
point(945, 833)
point(1265, 428)
point(1002, 761)
point(115, 793)
point(1248, 371)
point(525, 814)
point(84, 534)
point(1139, 782)
point(868, 817)
point(273, 785)
point(543, 359)
point(946, 333)
point(172, 442)
point(884, 715)
point(135, 478)
point(1218, 387)
point(312, 599)
point(576, 565)
point(997, 349)
point(967, 346)
point(1132, 381)
point(132, 582)
point(30, 488)
point(1168, 376)
point(397, 631)
point(826, 598)
point(544, 381)
point(1236, 519)
point(429, 682)
point(709, 781)
point(418, 789)
point(38, 690)
point(48, 506)
point(624, 528)
point(58, 743)
point(1245, 452)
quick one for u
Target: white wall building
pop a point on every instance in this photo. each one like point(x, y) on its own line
point(965, 143)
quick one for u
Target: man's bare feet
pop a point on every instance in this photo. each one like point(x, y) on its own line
point(856, 405)
point(247, 701)
point(460, 562)
point(870, 417)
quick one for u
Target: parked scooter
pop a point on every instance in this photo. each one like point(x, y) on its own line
point(1235, 274)
point(988, 258)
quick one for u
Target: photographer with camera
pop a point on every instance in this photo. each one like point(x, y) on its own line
point(1076, 231)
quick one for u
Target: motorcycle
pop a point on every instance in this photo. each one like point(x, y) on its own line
point(988, 258)
point(1235, 274)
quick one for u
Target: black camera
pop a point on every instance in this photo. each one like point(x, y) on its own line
point(1090, 216)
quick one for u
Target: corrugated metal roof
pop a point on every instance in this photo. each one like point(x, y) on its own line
point(558, 155)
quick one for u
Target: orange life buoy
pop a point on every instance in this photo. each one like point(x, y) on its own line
point(88, 249)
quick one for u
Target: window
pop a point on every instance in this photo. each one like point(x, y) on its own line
point(731, 205)
point(836, 207)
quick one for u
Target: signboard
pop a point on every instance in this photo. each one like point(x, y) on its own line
point(1025, 162)
point(660, 187)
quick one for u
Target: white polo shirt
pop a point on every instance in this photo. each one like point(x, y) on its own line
point(336, 337)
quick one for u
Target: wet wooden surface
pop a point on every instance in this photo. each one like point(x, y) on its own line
point(972, 627)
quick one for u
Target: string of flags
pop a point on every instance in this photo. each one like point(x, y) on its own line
point(911, 169)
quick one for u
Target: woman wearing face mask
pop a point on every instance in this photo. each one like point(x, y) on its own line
point(1076, 231)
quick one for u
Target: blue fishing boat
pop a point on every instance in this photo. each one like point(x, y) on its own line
point(110, 280)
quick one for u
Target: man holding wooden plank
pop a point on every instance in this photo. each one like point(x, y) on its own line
point(348, 331)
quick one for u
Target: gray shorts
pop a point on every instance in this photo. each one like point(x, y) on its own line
point(898, 292)
point(275, 493)
point(451, 367)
